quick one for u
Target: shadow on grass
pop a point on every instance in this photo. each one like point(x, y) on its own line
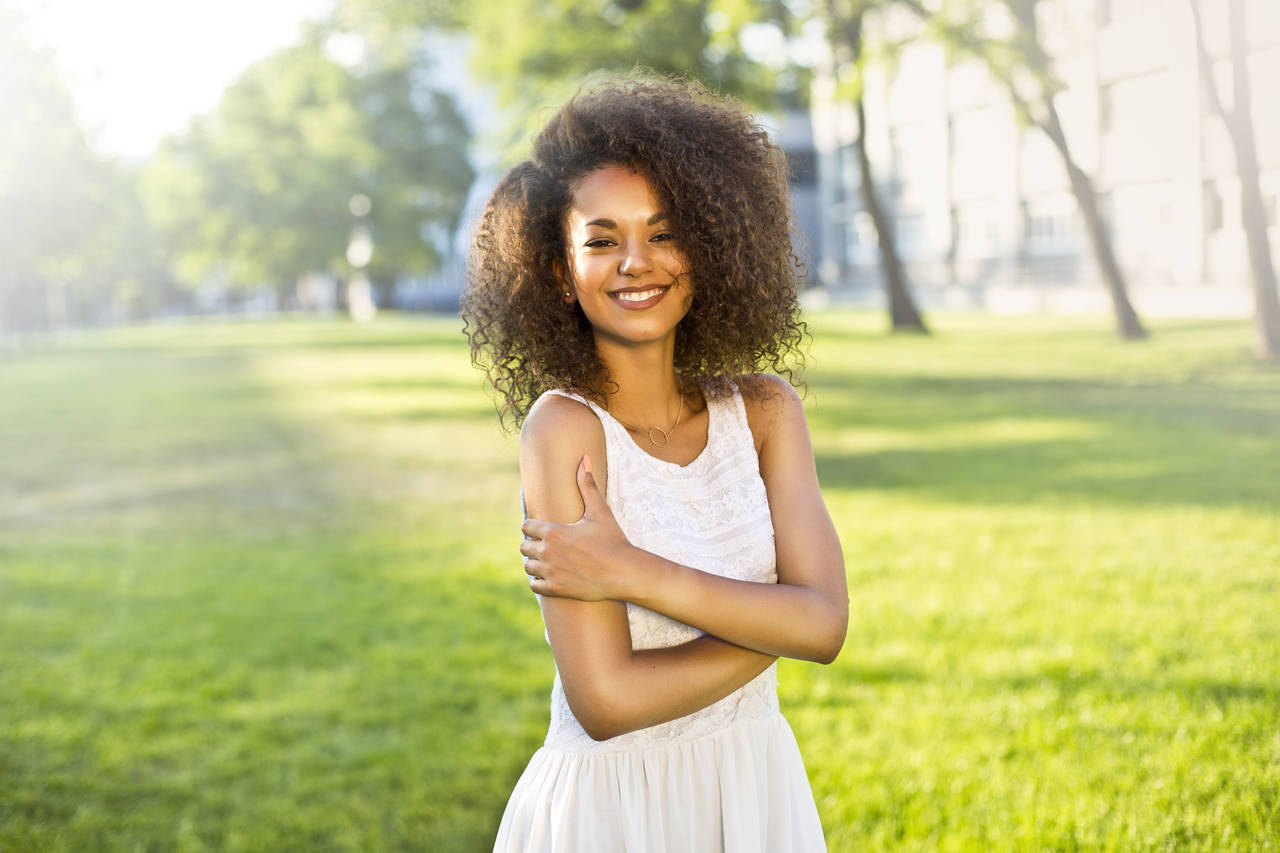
point(925, 402)
point(1112, 443)
point(1066, 683)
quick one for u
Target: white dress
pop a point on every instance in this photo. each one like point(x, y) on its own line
point(728, 777)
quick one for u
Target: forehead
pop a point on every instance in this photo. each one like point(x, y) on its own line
point(613, 192)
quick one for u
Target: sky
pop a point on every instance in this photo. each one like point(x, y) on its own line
point(140, 69)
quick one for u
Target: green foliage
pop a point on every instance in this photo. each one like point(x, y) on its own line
point(261, 191)
point(259, 590)
point(75, 238)
point(536, 53)
point(392, 29)
point(258, 193)
point(1005, 37)
point(48, 174)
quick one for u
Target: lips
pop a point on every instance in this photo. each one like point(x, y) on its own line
point(636, 298)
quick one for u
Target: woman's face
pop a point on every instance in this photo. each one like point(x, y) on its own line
point(625, 264)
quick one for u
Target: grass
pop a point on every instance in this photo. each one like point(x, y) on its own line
point(259, 591)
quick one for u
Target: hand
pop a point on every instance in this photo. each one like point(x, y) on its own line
point(579, 560)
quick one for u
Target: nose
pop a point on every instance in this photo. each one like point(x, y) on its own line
point(636, 259)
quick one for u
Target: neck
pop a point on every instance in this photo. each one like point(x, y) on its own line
point(644, 390)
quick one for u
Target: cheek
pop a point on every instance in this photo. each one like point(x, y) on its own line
point(586, 267)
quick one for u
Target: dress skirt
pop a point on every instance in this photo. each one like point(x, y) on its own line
point(740, 789)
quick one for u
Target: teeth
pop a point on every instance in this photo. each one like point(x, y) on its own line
point(639, 297)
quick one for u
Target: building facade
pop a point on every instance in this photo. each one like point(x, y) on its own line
point(981, 205)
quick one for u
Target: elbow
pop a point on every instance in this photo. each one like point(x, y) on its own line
point(602, 730)
point(602, 726)
point(829, 652)
point(596, 711)
point(829, 636)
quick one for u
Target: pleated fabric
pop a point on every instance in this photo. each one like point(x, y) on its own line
point(741, 789)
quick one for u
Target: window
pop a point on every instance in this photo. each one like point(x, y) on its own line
point(1050, 225)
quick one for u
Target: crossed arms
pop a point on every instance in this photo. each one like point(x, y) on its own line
point(584, 569)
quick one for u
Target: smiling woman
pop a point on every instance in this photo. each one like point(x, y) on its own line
point(625, 285)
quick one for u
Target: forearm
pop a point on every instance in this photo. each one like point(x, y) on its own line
point(806, 622)
point(664, 684)
point(613, 689)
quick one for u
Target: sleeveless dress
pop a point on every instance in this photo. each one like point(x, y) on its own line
point(726, 778)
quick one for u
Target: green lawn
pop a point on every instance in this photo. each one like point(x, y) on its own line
point(260, 590)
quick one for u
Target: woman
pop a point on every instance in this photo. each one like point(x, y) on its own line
point(626, 283)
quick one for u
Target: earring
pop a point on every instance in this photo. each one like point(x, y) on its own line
point(567, 294)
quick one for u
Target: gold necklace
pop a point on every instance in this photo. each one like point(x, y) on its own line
point(666, 433)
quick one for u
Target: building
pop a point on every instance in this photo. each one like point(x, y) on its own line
point(982, 208)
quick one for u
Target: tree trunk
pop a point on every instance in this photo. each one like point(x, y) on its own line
point(903, 316)
point(1266, 302)
point(1127, 322)
point(1032, 54)
point(845, 38)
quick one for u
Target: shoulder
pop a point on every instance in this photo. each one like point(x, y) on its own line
point(555, 418)
point(773, 407)
point(556, 434)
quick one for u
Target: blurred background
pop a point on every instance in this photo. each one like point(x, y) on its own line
point(259, 577)
point(1032, 155)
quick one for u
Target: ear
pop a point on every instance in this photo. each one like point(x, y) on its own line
point(567, 291)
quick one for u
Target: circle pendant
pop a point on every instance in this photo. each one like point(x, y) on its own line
point(666, 437)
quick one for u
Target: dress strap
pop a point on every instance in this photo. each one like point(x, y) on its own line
point(737, 428)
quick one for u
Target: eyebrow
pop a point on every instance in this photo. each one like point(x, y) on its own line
point(609, 223)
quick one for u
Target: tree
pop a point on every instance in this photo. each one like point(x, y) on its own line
point(48, 177)
point(1023, 67)
point(534, 52)
point(263, 190)
point(844, 28)
point(1239, 123)
point(420, 175)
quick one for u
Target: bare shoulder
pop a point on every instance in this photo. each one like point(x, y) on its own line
point(556, 434)
point(555, 419)
point(773, 407)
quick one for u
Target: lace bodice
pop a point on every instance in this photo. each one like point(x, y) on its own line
point(712, 515)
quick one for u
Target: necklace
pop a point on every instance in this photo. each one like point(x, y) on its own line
point(666, 433)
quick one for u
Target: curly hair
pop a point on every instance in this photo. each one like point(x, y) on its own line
point(723, 185)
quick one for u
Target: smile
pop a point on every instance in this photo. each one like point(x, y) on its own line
point(640, 298)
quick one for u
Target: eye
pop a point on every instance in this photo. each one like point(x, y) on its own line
point(664, 236)
point(598, 243)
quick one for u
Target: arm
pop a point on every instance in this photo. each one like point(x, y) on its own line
point(610, 688)
point(805, 615)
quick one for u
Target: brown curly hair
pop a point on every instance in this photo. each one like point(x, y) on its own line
point(723, 185)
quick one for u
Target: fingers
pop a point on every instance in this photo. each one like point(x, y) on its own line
point(538, 583)
point(541, 587)
point(593, 502)
point(532, 528)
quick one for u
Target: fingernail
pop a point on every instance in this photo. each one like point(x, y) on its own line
point(586, 462)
